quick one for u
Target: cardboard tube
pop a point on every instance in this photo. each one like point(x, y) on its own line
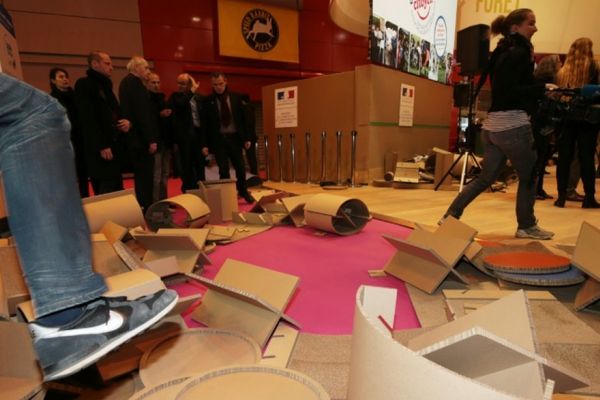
point(337, 214)
point(196, 213)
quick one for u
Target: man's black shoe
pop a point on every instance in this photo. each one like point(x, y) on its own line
point(248, 197)
point(575, 197)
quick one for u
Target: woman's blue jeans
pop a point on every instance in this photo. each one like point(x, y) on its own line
point(515, 145)
point(45, 213)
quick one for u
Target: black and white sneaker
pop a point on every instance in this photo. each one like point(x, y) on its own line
point(105, 324)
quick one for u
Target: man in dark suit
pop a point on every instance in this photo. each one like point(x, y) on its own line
point(101, 123)
point(227, 131)
point(143, 136)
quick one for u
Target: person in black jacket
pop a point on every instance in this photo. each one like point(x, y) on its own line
point(143, 136)
point(227, 131)
point(191, 143)
point(162, 157)
point(507, 130)
point(101, 124)
point(61, 90)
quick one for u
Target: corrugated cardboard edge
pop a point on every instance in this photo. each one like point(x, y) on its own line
point(381, 368)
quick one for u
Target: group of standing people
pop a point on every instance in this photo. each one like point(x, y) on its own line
point(146, 132)
point(507, 130)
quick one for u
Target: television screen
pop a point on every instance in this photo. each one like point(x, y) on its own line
point(414, 36)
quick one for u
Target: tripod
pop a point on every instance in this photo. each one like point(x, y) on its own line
point(465, 143)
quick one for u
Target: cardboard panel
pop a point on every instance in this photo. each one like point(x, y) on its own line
point(245, 298)
point(119, 207)
point(585, 256)
point(20, 376)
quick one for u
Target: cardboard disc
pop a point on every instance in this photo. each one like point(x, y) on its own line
point(166, 390)
point(527, 262)
point(253, 382)
point(195, 351)
point(570, 277)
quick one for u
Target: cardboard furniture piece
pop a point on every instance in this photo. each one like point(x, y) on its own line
point(406, 172)
point(426, 258)
point(186, 245)
point(381, 367)
point(585, 258)
point(119, 207)
point(221, 198)
point(246, 298)
point(181, 211)
point(337, 214)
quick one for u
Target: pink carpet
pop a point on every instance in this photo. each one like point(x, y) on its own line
point(330, 268)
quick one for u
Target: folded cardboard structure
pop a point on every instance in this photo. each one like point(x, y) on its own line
point(488, 354)
point(246, 298)
point(221, 198)
point(586, 259)
point(119, 207)
point(337, 214)
point(181, 211)
point(424, 259)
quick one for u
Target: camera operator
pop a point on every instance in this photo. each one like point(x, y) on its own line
point(579, 69)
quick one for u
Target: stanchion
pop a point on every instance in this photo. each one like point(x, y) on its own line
point(338, 135)
point(267, 168)
point(293, 154)
point(353, 160)
point(308, 161)
point(280, 155)
point(323, 154)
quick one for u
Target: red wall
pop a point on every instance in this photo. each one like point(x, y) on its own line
point(177, 44)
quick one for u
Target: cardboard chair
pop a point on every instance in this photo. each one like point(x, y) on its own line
point(221, 198)
point(246, 298)
point(119, 207)
point(269, 203)
point(184, 244)
point(585, 258)
point(195, 213)
point(381, 367)
point(337, 214)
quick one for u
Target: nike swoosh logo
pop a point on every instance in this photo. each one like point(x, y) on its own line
point(115, 321)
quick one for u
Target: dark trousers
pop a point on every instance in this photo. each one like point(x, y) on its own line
point(106, 185)
point(251, 157)
point(229, 149)
point(583, 135)
point(192, 163)
point(143, 174)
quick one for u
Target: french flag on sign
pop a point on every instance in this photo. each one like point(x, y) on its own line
point(281, 95)
point(290, 94)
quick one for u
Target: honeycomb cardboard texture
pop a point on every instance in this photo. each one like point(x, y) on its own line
point(337, 214)
point(195, 212)
point(119, 207)
point(246, 298)
point(382, 368)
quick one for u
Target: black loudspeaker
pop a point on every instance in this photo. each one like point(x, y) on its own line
point(473, 48)
point(460, 95)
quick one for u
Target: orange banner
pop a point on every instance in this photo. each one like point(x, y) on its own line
point(259, 31)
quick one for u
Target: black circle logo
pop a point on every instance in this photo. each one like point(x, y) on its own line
point(260, 30)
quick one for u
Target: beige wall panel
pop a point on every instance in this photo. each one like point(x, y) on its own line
point(324, 103)
point(124, 10)
point(559, 22)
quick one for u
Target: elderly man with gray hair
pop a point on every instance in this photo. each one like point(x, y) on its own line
point(143, 137)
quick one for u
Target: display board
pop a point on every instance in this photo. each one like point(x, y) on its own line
point(414, 36)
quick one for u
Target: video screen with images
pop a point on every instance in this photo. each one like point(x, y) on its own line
point(414, 36)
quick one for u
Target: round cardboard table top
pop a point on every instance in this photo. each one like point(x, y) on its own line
point(527, 262)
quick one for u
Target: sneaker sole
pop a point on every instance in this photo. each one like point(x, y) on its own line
point(534, 237)
point(93, 357)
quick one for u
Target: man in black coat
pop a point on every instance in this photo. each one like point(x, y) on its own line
point(190, 140)
point(61, 90)
point(143, 136)
point(227, 131)
point(101, 123)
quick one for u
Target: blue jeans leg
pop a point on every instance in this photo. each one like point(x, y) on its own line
point(515, 145)
point(45, 212)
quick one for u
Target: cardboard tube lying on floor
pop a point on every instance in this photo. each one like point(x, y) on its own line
point(164, 214)
point(337, 214)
